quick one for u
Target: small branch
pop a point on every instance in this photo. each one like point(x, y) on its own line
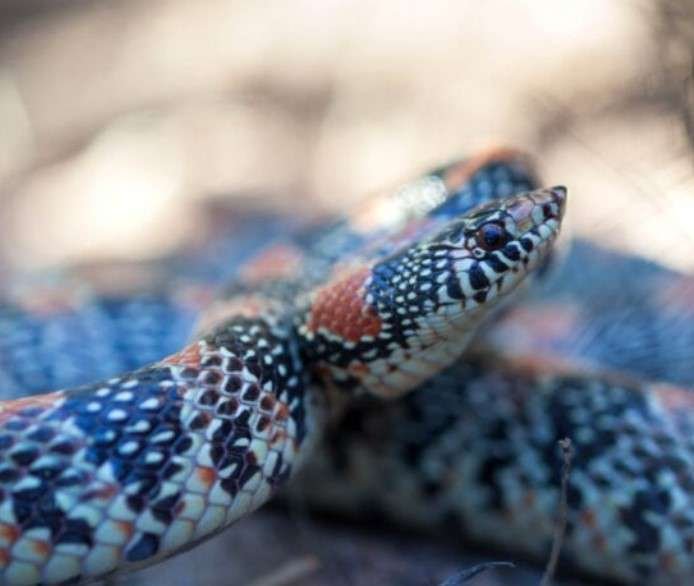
point(688, 103)
point(567, 453)
point(470, 573)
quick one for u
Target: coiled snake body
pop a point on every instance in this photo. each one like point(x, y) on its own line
point(126, 471)
point(472, 450)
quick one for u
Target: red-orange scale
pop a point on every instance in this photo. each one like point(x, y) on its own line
point(340, 308)
point(189, 356)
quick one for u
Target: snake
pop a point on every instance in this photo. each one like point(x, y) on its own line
point(600, 355)
point(113, 475)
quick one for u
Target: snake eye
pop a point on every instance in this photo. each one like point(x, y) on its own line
point(491, 236)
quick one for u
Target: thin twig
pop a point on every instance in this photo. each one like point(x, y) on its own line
point(560, 528)
point(469, 573)
point(688, 102)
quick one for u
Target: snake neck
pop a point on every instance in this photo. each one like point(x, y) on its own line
point(129, 470)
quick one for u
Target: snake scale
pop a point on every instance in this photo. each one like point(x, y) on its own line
point(473, 450)
point(116, 474)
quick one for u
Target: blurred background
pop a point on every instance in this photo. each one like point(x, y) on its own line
point(120, 119)
point(117, 118)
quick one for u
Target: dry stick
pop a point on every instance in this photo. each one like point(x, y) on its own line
point(688, 102)
point(567, 453)
point(468, 574)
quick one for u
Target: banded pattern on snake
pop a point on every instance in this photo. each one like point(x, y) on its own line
point(474, 452)
point(123, 472)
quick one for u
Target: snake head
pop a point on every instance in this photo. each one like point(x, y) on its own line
point(492, 249)
point(387, 326)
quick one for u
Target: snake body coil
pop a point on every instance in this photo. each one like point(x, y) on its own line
point(474, 451)
point(134, 468)
point(137, 468)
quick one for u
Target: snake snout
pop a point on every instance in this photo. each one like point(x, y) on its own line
point(559, 192)
point(531, 210)
point(558, 197)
